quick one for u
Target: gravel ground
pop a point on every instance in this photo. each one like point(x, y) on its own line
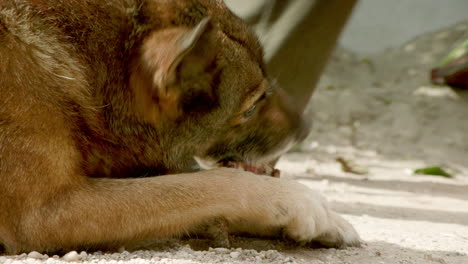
point(380, 113)
point(402, 218)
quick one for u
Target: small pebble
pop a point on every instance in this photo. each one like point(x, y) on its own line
point(71, 256)
point(234, 255)
point(221, 250)
point(121, 249)
point(36, 255)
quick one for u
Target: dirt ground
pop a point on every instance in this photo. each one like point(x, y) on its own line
point(381, 114)
point(402, 218)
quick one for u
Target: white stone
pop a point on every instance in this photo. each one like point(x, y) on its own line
point(83, 254)
point(50, 261)
point(234, 255)
point(440, 92)
point(71, 256)
point(221, 250)
point(36, 255)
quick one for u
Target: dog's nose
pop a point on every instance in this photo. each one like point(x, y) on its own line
point(303, 130)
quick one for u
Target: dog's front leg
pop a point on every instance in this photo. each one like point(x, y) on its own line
point(115, 211)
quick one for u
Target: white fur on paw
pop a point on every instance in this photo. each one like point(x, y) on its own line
point(340, 234)
point(312, 220)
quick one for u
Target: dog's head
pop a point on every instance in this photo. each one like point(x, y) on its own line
point(204, 87)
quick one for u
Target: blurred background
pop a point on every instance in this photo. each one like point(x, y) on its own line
point(375, 93)
point(389, 140)
point(379, 24)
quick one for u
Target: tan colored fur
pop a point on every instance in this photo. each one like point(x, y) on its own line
point(96, 96)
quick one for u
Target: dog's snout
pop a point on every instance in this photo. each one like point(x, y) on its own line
point(303, 131)
point(299, 124)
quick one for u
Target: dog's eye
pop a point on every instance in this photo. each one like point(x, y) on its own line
point(263, 97)
point(250, 111)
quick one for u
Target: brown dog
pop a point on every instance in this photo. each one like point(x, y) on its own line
point(97, 90)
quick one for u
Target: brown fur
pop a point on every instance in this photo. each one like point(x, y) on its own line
point(96, 90)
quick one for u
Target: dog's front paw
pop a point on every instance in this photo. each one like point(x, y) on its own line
point(311, 220)
point(263, 205)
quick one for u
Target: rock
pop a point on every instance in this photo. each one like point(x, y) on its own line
point(50, 261)
point(71, 256)
point(221, 250)
point(234, 255)
point(36, 255)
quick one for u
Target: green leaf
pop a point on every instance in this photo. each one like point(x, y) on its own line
point(436, 171)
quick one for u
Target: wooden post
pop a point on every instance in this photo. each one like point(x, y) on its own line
point(306, 48)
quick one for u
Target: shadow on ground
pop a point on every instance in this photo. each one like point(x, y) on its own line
point(419, 187)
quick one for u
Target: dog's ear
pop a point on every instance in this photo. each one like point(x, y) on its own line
point(155, 75)
point(164, 51)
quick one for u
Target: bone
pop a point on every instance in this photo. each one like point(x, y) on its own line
point(261, 169)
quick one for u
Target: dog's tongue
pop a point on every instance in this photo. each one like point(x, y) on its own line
point(262, 169)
